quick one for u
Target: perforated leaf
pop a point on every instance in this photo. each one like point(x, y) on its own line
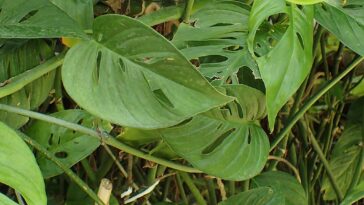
point(19, 169)
point(283, 68)
point(36, 19)
point(68, 146)
point(225, 142)
point(132, 76)
point(217, 39)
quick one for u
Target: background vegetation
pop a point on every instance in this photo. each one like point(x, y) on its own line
point(181, 102)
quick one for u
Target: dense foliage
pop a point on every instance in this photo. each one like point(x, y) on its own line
point(181, 102)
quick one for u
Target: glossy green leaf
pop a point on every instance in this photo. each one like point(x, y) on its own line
point(286, 189)
point(19, 169)
point(36, 19)
point(68, 146)
point(345, 21)
point(355, 195)
point(258, 196)
point(305, 2)
point(283, 68)
point(17, 57)
point(345, 157)
point(217, 39)
point(226, 142)
point(130, 75)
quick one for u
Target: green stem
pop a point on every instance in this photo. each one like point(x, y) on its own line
point(89, 172)
point(68, 171)
point(104, 137)
point(211, 191)
point(194, 190)
point(312, 101)
point(20, 81)
point(188, 11)
point(322, 157)
point(181, 189)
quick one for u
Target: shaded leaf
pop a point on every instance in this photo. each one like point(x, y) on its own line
point(130, 65)
point(345, 21)
point(226, 142)
point(258, 196)
point(68, 146)
point(346, 155)
point(286, 189)
point(284, 68)
point(36, 19)
point(16, 57)
point(18, 166)
point(217, 38)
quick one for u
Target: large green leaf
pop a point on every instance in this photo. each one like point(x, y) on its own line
point(68, 146)
point(345, 21)
point(283, 68)
point(346, 155)
point(286, 189)
point(36, 19)
point(258, 196)
point(225, 142)
point(17, 57)
point(217, 38)
point(130, 75)
point(19, 169)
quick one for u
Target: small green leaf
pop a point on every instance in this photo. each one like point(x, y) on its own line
point(19, 169)
point(258, 196)
point(132, 76)
point(6, 201)
point(286, 189)
point(68, 146)
point(226, 142)
point(283, 68)
point(345, 21)
point(36, 19)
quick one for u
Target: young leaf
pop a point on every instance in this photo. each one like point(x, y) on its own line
point(286, 66)
point(345, 21)
point(225, 142)
point(36, 19)
point(258, 196)
point(130, 75)
point(68, 146)
point(19, 169)
point(286, 189)
point(217, 38)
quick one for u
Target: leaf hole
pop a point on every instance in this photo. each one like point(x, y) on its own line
point(61, 155)
point(185, 122)
point(50, 139)
point(221, 24)
point(121, 65)
point(80, 122)
point(234, 48)
point(162, 98)
point(29, 15)
point(300, 40)
point(212, 59)
point(217, 142)
point(96, 73)
point(249, 136)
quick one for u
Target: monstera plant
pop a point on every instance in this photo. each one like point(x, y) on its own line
point(181, 102)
